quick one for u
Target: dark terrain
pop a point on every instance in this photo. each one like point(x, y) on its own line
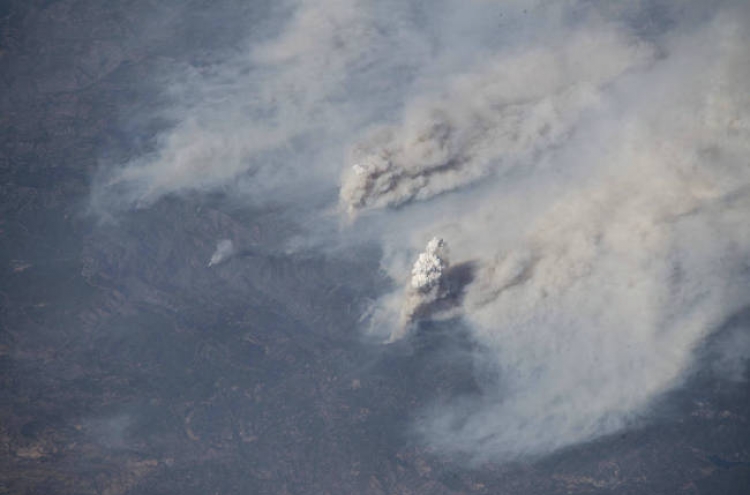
point(129, 367)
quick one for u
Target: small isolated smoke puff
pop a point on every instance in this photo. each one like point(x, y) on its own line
point(224, 250)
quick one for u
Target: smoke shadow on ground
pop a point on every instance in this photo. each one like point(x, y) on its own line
point(453, 285)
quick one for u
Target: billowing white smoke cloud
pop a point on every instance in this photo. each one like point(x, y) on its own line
point(429, 268)
point(426, 287)
point(426, 293)
point(224, 250)
point(598, 170)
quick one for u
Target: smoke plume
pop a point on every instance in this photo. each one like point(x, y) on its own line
point(505, 114)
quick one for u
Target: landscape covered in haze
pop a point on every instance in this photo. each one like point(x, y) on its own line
point(374, 247)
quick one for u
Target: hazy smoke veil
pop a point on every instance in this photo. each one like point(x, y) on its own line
point(595, 305)
point(590, 165)
point(600, 308)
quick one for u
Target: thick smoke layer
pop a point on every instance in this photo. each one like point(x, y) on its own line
point(597, 163)
point(598, 306)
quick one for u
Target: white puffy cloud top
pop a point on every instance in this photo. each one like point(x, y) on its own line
point(430, 266)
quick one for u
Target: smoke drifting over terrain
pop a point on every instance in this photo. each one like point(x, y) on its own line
point(590, 162)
